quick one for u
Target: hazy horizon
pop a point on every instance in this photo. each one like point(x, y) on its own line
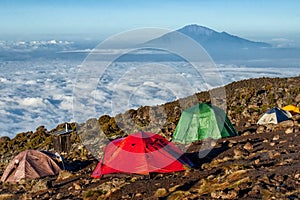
point(267, 21)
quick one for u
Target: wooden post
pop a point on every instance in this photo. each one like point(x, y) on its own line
point(62, 140)
point(62, 143)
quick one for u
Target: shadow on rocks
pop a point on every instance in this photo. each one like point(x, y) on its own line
point(213, 153)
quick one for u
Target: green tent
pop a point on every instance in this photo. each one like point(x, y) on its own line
point(203, 121)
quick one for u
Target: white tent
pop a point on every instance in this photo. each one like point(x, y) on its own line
point(274, 116)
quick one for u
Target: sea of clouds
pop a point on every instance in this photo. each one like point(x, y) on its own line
point(47, 91)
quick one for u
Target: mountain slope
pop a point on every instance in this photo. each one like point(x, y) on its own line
point(210, 38)
point(220, 45)
point(262, 163)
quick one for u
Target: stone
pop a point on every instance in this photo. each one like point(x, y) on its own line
point(247, 125)
point(285, 124)
point(83, 157)
point(116, 182)
point(222, 195)
point(77, 186)
point(289, 130)
point(7, 196)
point(278, 178)
point(64, 175)
point(59, 196)
point(187, 172)
point(296, 117)
point(40, 185)
point(95, 180)
point(213, 143)
point(260, 129)
point(255, 190)
point(46, 196)
point(246, 133)
point(210, 177)
point(253, 106)
point(248, 146)
point(4, 139)
point(133, 179)
point(230, 144)
point(205, 166)
point(270, 127)
point(282, 141)
point(176, 195)
point(276, 137)
point(273, 154)
point(138, 195)
point(297, 99)
point(237, 153)
point(86, 182)
point(172, 189)
point(160, 192)
point(22, 182)
point(233, 141)
point(265, 179)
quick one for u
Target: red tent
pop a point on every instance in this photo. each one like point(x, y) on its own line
point(141, 153)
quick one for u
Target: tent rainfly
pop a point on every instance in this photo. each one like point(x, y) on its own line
point(274, 116)
point(292, 109)
point(141, 153)
point(203, 121)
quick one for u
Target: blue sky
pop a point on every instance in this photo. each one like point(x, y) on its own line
point(253, 19)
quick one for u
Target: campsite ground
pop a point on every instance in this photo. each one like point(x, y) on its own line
point(262, 163)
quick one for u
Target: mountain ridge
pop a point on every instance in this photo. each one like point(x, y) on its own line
point(219, 45)
point(210, 39)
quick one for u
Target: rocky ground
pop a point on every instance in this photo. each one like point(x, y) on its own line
point(262, 163)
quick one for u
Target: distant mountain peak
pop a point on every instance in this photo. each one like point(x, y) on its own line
point(197, 30)
point(212, 39)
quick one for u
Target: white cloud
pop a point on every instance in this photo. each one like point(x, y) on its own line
point(52, 42)
point(30, 101)
point(4, 80)
point(30, 82)
point(66, 104)
point(283, 42)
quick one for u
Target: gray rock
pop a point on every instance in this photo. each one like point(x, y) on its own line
point(285, 124)
point(160, 192)
point(40, 185)
point(248, 146)
point(297, 99)
point(260, 129)
point(289, 130)
point(59, 196)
